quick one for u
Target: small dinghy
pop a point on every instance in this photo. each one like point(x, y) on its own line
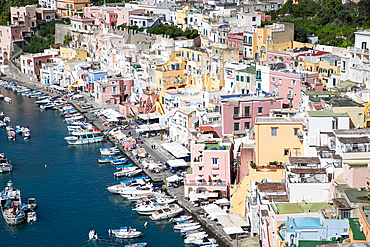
point(93, 235)
point(126, 232)
point(31, 216)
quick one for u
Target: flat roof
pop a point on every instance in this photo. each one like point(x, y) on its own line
point(320, 93)
point(291, 208)
point(341, 203)
point(355, 226)
point(356, 196)
point(272, 120)
point(308, 170)
point(326, 113)
point(354, 140)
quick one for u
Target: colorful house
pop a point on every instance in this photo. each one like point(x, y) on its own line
point(112, 90)
point(171, 74)
point(73, 54)
point(210, 172)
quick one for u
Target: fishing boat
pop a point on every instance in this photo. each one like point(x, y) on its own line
point(31, 216)
point(11, 205)
point(5, 166)
point(85, 137)
point(8, 100)
point(93, 235)
point(126, 232)
point(166, 212)
point(26, 133)
point(205, 242)
point(137, 245)
point(47, 106)
point(194, 236)
point(109, 159)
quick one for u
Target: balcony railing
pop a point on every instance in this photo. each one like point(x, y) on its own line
point(205, 184)
point(289, 96)
point(241, 115)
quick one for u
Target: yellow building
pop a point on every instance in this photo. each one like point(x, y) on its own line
point(193, 57)
point(171, 74)
point(68, 8)
point(73, 54)
point(277, 139)
point(182, 17)
point(276, 37)
point(324, 65)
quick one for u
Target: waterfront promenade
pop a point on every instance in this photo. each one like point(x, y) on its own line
point(158, 154)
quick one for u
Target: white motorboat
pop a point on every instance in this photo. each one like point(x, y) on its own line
point(206, 242)
point(80, 126)
point(181, 218)
point(126, 232)
point(165, 200)
point(118, 188)
point(166, 212)
point(135, 198)
point(84, 137)
point(8, 100)
point(190, 228)
point(134, 172)
point(147, 209)
point(194, 236)
point(125, 171)
point(105, 160)
point(11, 205)
point(74, 117)
point(1, 96)
point(31, 216)
point(119, 161)
point(93, 235)
point(140, 190)
point(10, 133)
point(5, 166)
point(109, 151)
point(7, 119)
point(47, 106)
point(186, 225)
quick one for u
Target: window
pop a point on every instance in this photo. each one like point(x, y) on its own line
point(276, 89)
point(241, 78)
point(286, 152)
point(247, 125)
point(246, 110)
point(254, 18)
point(296, 132)
point(274, 131)
point(237, 78)
point(293, 83)
point(273, 79)
point(236, 110)
point(259, 110)
point(214, 163)
point(236, 126)
point(248, 79)
point(177, 66)
point(346, 214)
point(200, 168)
point(363, 45)
point(296, 152)
point(104, 89)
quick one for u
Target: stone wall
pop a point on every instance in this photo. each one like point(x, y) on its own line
point(61, 30)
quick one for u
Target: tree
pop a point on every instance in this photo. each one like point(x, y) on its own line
point(67, 39)
point(300, 34)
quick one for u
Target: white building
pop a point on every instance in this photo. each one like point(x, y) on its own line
point(50, 4)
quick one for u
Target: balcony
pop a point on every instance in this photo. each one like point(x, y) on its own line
point(289, 96)
point(205, 184)
point(241, 116)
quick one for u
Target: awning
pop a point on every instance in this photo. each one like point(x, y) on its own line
point(206, 128)
point(174, 178)
point(143, 116)
point(154, 115)
point(177, 163)
point(176, 149)
point(195, 120)
point(142, 128)
point(155, 127)
point(233, 230)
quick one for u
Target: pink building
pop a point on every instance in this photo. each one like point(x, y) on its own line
point(111, 16)
point(289, 83)
point(9, 36)
point(113, 90)
point(274, 55)
point(32, 63)
point(238, 112)
point(147, 105)
point(264, 17)
point(210, 170)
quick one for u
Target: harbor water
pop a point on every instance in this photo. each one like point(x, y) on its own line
point(69, 186)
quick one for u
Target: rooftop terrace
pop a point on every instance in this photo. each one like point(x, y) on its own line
point(294, 208)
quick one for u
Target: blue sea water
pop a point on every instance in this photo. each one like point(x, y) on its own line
point(69, 186)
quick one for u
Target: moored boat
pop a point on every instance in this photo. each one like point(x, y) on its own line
point(8, 100)
point(126, 232)
point(136, 245)
point(31, 216)
point(93, 235)
point(109, 159)
point(11, 205)
point(166, 212)
point(26, 133)
point(5, 166)
point(85, 137)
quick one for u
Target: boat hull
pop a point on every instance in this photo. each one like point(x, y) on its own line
point(75, 141)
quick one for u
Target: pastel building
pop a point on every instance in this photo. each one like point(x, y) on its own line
point(111, 16)
point(210, 170)
point(112, 90)
point(67, 8)
point(25, 17)
point(11, 38)
point(238, 112)
point(289, 84)
point(94, 75)
point(32, 63)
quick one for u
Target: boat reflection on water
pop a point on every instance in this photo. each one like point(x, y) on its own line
point(118, 199)
point(15, 228)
